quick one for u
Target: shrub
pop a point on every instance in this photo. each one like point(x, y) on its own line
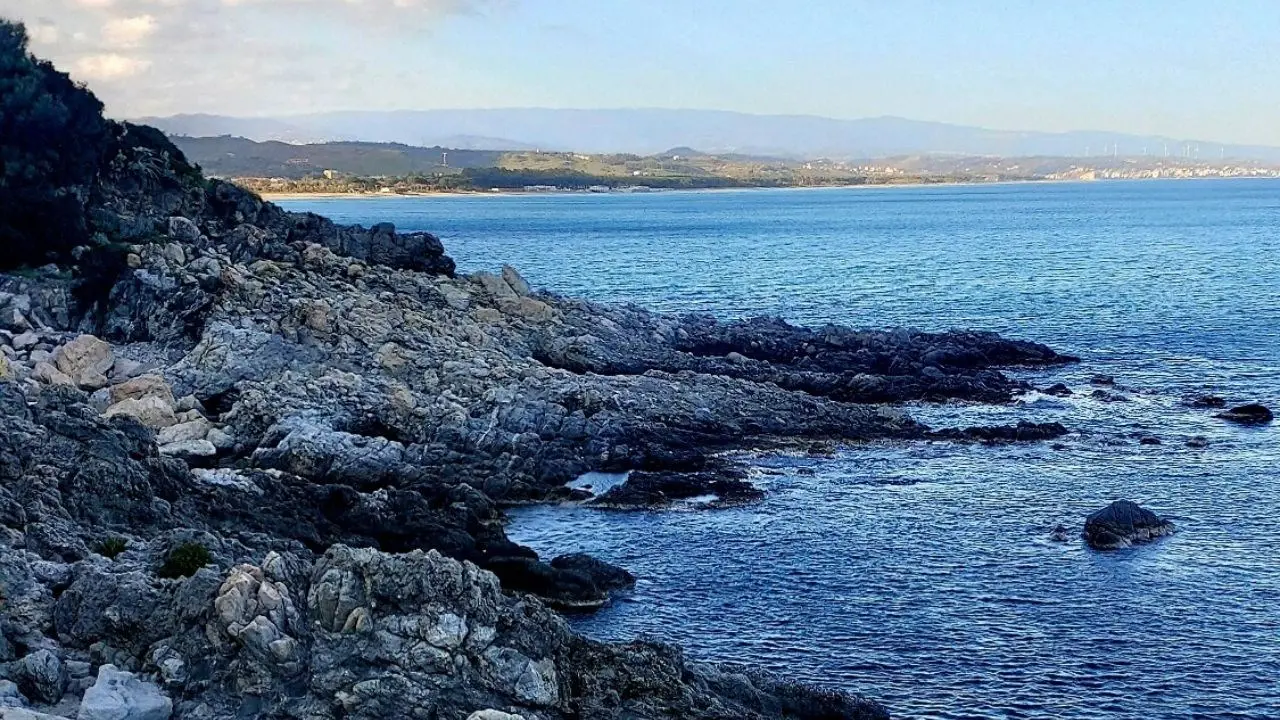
point(185, 560)
point(53, 140)
point(112, 546)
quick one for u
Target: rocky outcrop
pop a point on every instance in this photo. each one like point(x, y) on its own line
point(1123, 523)
point(253, 463)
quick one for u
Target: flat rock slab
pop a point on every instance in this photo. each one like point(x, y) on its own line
point(121, 695)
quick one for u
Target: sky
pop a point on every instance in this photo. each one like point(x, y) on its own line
point(1204, 70)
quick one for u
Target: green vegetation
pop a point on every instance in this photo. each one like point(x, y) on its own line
point(111, 547)
point(185, 560)
point(53, 139)
point(58, 158)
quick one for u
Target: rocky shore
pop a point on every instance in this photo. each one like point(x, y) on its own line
point(253, 463)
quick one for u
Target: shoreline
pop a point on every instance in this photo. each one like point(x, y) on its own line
point(296, 196)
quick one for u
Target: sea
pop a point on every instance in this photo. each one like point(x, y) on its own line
point(923, 574)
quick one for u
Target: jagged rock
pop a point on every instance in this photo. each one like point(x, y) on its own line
point(154, 412)
point(1251, 414)
point(42, 677)
point(121, 695)
point(50, 375)
point(86, 360)
point(1123, 523)
point(515, 281)
point(142, 387)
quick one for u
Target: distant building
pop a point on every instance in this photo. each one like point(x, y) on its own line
point(329, 174)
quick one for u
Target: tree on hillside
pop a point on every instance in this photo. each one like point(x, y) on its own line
point(53, 139)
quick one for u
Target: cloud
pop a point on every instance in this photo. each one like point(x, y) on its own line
point(235, 56)
point(128, 32)
point(43, 32)
point(109, 67)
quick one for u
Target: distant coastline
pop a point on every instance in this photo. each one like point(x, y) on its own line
point(373, 196)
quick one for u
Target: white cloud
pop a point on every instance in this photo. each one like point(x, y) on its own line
point(43, 33)
point(109, 67)
point(234, 56)
point(127, 32)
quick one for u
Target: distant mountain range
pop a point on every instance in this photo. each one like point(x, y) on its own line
point(647, 131)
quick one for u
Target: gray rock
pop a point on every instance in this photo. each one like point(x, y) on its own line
point(26, 340)
point(189, 449)
point(121, 695)
point(42, 677)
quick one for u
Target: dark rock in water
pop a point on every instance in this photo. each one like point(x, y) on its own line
point(1207, 401)
point(1251, 414)
point(648, 490)
point(1024, 431)
point(1149, 440)
point(1123, 523)
point(1060, 534)
point(1102, 380)
point(1198, 441)
point(605, 575)
point(1106, 396)
point(1058, 390)
point(565, 588)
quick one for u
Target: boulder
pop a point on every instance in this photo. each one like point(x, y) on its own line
point(25, 340)
point(1251, 414)
point(189, 431)
point(143, 386)
point(86, 360)
point(42, 677)
point(1123, 523)
point(121, 695)
point(6, 370)
point(1058, 390)
point(190, 449)
point(153, 412)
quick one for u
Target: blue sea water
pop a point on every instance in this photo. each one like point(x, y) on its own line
point(922, 574)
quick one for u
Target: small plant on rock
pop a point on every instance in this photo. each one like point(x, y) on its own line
point(185, 560)
point(112, 546)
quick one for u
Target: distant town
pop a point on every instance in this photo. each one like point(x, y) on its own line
point(277, 168)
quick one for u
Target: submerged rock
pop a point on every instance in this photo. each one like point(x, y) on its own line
point(1123, 523)
point(1058, 390)
point(650, 490)
point(1251, 414)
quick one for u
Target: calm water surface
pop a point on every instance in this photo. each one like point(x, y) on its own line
point(922, 574)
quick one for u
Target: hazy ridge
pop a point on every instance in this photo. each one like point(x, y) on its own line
point(655, 130)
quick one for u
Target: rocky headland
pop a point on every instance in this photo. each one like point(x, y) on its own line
point(253, 463)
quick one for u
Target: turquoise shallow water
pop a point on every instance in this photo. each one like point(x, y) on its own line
point(922, 574)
